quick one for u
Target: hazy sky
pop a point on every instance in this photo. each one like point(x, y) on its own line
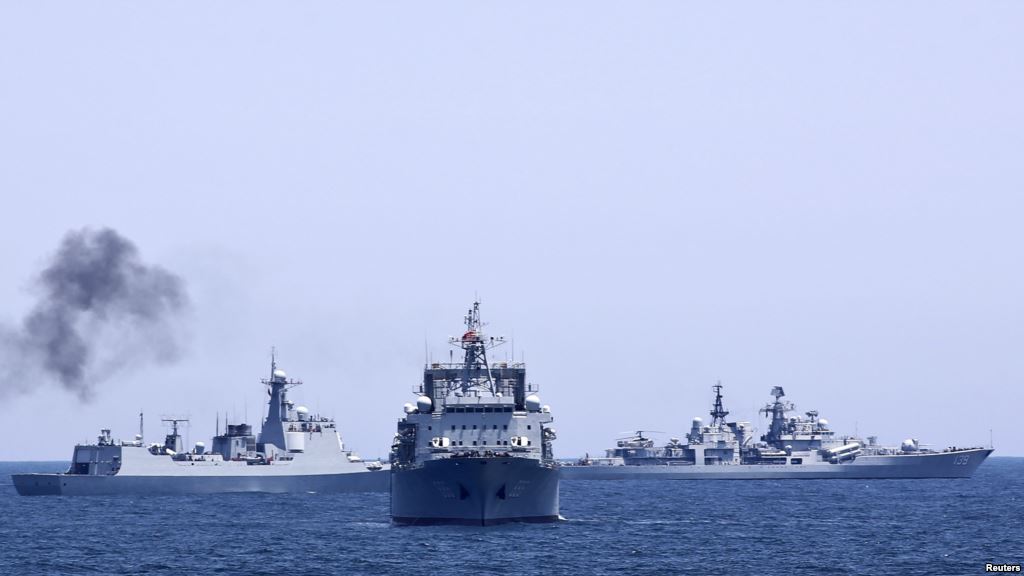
point(649, 197)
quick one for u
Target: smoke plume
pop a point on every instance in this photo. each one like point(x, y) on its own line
point(100, 308)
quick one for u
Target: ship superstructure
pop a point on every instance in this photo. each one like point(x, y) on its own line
point(295, 451)
point(476, 447)
point(794, 446)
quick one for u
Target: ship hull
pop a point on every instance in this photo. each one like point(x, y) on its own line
point(88, 485)
point(475, 491)
point(958, 464)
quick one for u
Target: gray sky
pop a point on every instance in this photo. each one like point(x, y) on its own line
point(649, 198)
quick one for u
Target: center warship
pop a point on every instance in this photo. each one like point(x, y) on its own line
point(295, 452)
point(797, 446)
point(476, 447)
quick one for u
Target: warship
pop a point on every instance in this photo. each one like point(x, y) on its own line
point(476, 447)
point(295, 451)
point(794, 446)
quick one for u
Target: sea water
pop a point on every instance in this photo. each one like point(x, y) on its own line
point(610, 527)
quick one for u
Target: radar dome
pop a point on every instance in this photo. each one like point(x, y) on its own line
point(424, 404)
point(545, 409)
point(822, 422)
point(533, 403)
point(697, 421)
point(302, 410)
point(279, 373)
point(909, 445)
point(409, 408)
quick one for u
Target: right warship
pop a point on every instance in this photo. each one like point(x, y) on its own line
point(476, 448)
point(797, 446)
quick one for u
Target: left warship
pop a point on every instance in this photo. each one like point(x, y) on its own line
point(294, 452)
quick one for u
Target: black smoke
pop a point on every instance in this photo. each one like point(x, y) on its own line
point(100, 307)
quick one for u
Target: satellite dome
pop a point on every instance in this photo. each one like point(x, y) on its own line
point(909, 445)
point(545, 409)
point(302, 410)
point(409, 408)
point(279, 373)
point(424, 404)
point(697, 421)
point(822, 422)
point(533, 403)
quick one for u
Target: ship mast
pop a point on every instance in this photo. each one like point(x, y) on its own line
point(718, 412)
point(475, 370)
point(777, 412)
point(277, 385)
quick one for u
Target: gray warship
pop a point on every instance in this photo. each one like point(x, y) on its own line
point(294, 452)
point(795, 446)
point(476, 447)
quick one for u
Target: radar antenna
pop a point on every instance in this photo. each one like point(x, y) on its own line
point(173, 441)
point(174, 423)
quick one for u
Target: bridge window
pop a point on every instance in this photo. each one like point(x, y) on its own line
point(504, 426)
point(463, 426)
point(474, 426)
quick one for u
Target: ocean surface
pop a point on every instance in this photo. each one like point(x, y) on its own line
point(611, 527)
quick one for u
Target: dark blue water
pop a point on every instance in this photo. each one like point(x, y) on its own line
point(659, 527)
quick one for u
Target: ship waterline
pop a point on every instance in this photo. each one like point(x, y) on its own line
point(953, 464)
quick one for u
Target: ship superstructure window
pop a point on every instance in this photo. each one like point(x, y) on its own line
point(463, 426)
point(474, 426)
point(504, 426)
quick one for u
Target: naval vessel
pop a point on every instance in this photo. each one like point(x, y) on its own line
point(476, 447)
point(794, 446)
point(295, 451)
